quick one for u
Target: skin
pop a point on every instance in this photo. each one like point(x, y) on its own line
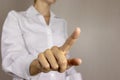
point(53, 59)
point(43, 6)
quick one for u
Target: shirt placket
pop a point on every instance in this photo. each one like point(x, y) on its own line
point(48, 32)
point(49, 36)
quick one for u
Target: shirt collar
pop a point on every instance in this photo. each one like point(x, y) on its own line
point(32, 11)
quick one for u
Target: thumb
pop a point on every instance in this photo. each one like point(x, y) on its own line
point(74, 62)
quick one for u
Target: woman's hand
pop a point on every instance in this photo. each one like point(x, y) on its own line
point(54, 59)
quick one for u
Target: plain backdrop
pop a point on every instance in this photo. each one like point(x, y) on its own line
point(99, 43)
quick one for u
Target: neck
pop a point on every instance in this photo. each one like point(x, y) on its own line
point(42, 7)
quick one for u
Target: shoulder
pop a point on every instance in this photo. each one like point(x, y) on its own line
point(12, 18)
point(16, 14)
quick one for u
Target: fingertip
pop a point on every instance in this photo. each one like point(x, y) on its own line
point(78, 29)
point(76, 33)
point(79, 61)
point(75, 61)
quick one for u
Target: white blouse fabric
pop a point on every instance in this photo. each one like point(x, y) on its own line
point(25, 34)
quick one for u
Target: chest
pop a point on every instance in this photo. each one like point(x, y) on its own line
point(38, 36)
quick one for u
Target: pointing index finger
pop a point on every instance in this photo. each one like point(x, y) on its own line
point(71, 40)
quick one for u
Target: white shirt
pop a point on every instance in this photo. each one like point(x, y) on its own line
point(25, 34)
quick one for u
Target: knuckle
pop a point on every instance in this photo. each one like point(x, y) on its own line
point(60, 52)
point(63, 62)
point(47, 52)
point(55, 67)
point(45, 71)
point(54, 47)
point(46, 67)
point(61, 71)
point(40, 55)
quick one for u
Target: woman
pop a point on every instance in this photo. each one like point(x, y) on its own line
point(32, 45)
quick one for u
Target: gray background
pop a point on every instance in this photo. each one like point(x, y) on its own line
point(98, 45)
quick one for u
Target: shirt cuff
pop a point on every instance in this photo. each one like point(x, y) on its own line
point(20, 67)
point(76, 76)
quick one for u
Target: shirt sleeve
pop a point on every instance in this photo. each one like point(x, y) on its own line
point(71, 73)
point(15, 57)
